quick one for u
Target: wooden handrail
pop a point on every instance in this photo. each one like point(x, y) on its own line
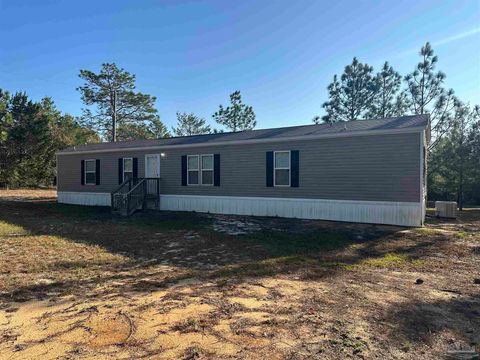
point(132, 207)
point(140, 182)
point(120, 186)
point(126, 200)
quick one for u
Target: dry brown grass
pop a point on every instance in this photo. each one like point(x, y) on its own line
point(77, 283)
point(28, 194)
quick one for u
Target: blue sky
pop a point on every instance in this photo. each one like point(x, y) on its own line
point(192, 54)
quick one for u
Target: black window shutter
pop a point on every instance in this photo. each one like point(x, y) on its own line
point(269, 168)
point(135, 167)
point(294, 165)
point(120, 170)
point(184, 170)
point(97, 172)
point(82, 172)
point(216, 170)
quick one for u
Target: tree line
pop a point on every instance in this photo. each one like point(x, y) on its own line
point(360, 94)
point(454, 147)
point(31, 132)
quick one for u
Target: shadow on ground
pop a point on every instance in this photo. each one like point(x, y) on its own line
point(149, 242)
point(178, 282)
point(441, 321)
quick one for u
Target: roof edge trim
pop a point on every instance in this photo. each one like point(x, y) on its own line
point(250, 141)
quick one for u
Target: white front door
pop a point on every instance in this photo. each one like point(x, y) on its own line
point(152, 166)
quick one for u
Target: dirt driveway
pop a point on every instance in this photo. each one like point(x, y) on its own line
point(77, 283)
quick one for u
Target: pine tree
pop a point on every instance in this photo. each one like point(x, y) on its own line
point(423, 84)
point(426, 94)
point(190, 124)
point(117, 105)
point(350, 98)
point(401, 104)
point(333, 106)
point(237, 116)
point(388, 100)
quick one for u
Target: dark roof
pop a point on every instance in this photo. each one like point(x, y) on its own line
point(393, 123)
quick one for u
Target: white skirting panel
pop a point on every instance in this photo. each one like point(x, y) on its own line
point(374, 212)
point(84, 198)
point(393, 213)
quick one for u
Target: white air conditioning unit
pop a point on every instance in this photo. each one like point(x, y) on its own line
point(446, 209)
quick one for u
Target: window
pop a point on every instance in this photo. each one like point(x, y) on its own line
point(90, 172)
point(281, 171)
point(207, 169)
point(127, 168)
point(193, 169)
point(200, 169)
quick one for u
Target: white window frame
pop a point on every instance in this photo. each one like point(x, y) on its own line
point(198, 170)
point(289, 168)
point(202, 169)
point(123, 167)
point(90, 172)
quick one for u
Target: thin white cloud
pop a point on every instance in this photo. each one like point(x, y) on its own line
point(456, 37)
point(446, 40)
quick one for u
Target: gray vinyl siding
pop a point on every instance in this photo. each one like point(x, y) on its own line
point(369, 168)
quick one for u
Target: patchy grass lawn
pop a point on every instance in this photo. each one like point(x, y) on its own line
point(76, 282)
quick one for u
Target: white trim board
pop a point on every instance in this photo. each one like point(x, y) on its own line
point(422, 178)
point(375, 212)
point(84, 198)
point(250, 141)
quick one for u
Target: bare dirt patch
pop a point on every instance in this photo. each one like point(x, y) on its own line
point(76, 282)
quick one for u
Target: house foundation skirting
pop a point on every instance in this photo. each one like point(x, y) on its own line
point(374, 212)
point(84, 198)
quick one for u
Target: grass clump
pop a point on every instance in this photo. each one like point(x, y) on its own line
point(428, 231)
point(390, 260)
point(7, 229)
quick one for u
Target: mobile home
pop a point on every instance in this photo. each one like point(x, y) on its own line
point(369, 171)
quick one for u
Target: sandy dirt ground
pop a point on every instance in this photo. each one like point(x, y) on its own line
point(77, 283)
